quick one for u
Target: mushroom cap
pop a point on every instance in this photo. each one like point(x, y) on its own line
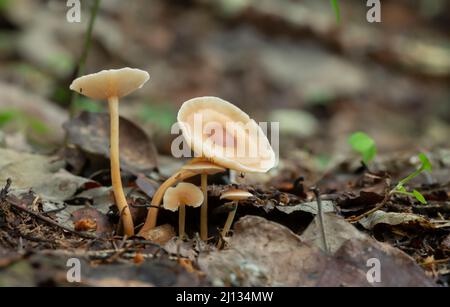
point(110, 83)
point(204, 167)
point(236, 194)
point(183, 194)
point(225, 135)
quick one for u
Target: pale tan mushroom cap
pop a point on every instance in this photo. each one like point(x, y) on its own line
point(204, 168)
point(183, 194)
point(110, 83)
point(223, 133)
point(236, 194)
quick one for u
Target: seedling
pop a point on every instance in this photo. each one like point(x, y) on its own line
point(400, 187)
point(364, 145)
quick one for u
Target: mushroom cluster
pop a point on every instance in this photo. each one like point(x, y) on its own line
point(227, 139)
point(111, 85)
point(222, 137)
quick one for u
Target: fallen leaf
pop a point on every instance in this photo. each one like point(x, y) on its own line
point(90, 132)
point(397, 218)
point(43, 174)
point(160, 234)
point(263, 253)
point(337, 230)
point(310, 207)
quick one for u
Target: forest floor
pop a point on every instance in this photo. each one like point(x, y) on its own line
point(321, 82)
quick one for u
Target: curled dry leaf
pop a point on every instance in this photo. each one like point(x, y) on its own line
point(400, 218)
point(90, 132)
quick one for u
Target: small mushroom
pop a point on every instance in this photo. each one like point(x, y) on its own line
point(176, 198)
point(111, 85)
point(234, 195)
point(204, 169)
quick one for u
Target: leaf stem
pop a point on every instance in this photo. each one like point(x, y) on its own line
point(87, 46)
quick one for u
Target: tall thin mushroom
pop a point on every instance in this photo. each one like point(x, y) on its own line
point(111, 85)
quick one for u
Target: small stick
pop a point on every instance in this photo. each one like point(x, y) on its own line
point(51, 222)
point(321, 219)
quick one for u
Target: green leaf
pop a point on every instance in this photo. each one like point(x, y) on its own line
point(401, 188)
point(85, 104)
point(363, 144)
point(426, 164)
point(337, 11)
point(419, 197)
point(7, 116)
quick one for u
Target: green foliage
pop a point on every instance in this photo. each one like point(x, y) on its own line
point(86, 104)
point(400, 187)
point(337, 11)
point(4, 4)
point(364, 145)
point(164, 116)
point(23, 120)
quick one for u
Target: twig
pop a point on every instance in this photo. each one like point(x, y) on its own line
point(84, 54)
point(321, 219)
point(387, 196)
point(51, 222)
point(4, 192)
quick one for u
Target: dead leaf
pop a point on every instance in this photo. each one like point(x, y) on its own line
point(337, 230)
point(399, 218)
point(352, 248)
point(263, 253)
point(160, 234)
point(43, 174)
point(310, 207)
point(90, 132)
point(397, 269)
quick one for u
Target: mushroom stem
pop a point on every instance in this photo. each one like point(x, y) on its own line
point(119, 195)
point(204, 209)
point(181, 221)
point(152, 215)
point(229, 221)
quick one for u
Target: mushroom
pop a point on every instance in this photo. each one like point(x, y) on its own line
point(204, 169)
point(184, 194)
point(234, 195)
point(225, 135)
point(111, 85)
point(220, 133)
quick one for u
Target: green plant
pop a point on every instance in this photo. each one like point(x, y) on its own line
point(23, 120)
point(364, 145)
point(400, 187)
point(337, 11)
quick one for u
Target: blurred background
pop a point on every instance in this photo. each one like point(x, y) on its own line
point(286, 60)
